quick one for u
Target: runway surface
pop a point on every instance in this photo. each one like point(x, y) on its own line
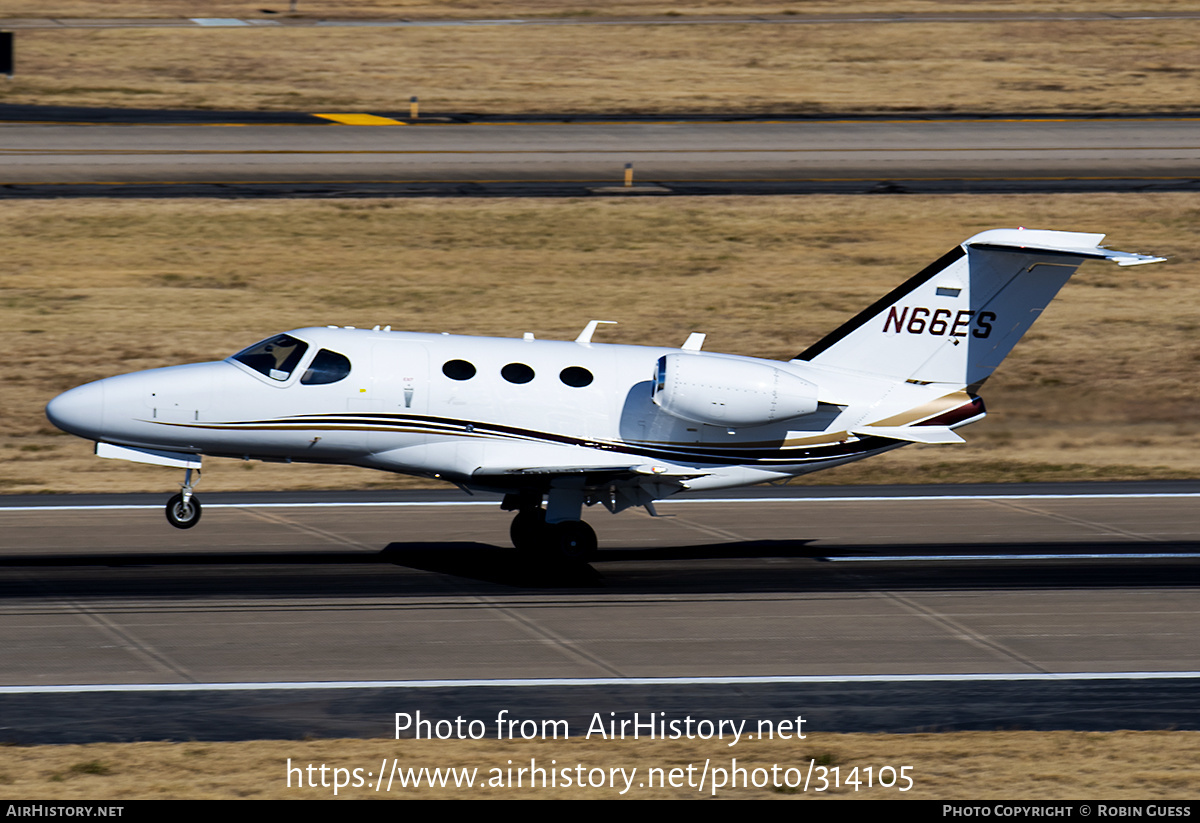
point(301, 155)
point(385, 598)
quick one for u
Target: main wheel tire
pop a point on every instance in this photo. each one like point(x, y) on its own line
point(183, 515)
point(573, 540)
point(528, 529)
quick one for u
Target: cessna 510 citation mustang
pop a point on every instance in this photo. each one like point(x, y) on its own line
point(575, 423)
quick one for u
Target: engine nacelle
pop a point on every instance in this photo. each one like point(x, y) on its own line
point(725, 391)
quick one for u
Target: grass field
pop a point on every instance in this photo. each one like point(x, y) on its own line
point(1102, 388)
point(963, 766)
point(1080, 66)
point(502, 9)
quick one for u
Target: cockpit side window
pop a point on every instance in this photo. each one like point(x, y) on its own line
point(276, 357)
point(327, 367)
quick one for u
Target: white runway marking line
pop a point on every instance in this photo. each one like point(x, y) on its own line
point(219, 21)
point(599, 681)
point(667, 502)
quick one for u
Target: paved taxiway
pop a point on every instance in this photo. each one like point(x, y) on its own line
point(577, 157)
point(776, 587)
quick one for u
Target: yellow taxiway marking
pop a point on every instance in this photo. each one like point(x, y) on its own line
point(361, 120)
point(682, 120)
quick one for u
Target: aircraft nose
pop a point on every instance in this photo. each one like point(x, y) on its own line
point(79, 411)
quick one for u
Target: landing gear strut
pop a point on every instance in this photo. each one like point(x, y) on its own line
point(183, 510)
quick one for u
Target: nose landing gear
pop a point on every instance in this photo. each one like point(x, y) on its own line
point(183, 510)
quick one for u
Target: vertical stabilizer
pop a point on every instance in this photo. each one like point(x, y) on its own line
point(956, 320)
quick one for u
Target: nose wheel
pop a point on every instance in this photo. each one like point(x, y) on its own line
point(183, 510)
point(183, 514)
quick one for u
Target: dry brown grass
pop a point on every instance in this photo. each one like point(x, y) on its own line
point(499, 9)
point(967, 765)
point(1103, 388)
point(1072, 66)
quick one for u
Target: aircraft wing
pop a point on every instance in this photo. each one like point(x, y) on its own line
point(617, 487)
point(591, 475)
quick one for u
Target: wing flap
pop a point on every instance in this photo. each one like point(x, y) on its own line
point(592, 475)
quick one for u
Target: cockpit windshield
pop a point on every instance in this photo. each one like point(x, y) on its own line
point(276, 357)
point(327, 367)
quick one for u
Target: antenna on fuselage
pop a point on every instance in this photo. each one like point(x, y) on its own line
point(585, 336)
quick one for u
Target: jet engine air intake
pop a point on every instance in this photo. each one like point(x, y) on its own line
point(727, 391)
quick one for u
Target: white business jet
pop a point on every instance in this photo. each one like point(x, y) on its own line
point(578, 423)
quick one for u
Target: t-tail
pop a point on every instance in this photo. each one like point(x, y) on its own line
point(958, 318)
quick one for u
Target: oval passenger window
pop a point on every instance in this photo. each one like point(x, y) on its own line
point(576, 376)
point(517, 373)
point(458, 370)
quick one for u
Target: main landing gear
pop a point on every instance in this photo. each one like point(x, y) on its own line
point(567, 539)
point(183, 510)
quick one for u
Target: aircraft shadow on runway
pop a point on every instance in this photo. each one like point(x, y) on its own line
point(464, 567)
point(471, 560)
point(511, 568)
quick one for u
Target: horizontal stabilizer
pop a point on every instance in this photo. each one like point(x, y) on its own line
point(911, 434)
point(1066, 244)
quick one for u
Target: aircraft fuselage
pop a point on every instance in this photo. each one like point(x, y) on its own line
point(451, 405)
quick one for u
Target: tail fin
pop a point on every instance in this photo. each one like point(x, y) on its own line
point(959, 317)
